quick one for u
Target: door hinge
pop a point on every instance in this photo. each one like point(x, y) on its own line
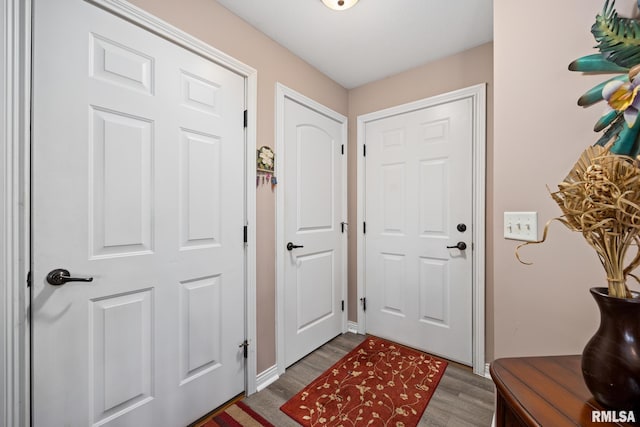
point(342, 305)
point(342, 149)
point(364, 227)
point(364, 304)
point(364, 150)
point(245, 232)
point(28, 279)
point(342, 224)
point(245, 348)
point(245, 118)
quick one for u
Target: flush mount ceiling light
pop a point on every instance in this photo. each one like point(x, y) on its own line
point(339, 4)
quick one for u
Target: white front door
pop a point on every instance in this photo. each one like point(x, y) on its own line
point(314, 272)
point(138, 182)
point(419, 205)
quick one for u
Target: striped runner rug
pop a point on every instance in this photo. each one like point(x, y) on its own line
point(237, 415)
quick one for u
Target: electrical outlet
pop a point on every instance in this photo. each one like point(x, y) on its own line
point(521, 226)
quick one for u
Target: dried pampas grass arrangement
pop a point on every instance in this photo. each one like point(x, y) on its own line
point(601, 199)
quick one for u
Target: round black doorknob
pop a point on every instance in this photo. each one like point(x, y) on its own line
point(462, 228)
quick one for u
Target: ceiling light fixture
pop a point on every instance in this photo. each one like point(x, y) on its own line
point(339, 4)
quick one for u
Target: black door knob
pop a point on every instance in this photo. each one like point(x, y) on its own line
point(60, 276)
point(462, 228)
point(460, 245)
point(291, 246)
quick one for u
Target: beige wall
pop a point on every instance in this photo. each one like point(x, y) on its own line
point(210, 22)
point(215, 25)
point(539, 133)
point(465, 69)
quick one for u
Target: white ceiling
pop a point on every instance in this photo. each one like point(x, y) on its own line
point(375, 38)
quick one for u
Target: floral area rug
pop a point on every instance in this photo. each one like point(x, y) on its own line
point(379, 383)
point(237, 415)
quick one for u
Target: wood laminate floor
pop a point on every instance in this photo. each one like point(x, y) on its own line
point(461, 399)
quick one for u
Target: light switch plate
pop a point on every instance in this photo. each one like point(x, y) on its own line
point(521, 226)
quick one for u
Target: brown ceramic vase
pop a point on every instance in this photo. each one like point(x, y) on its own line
point(611, 359)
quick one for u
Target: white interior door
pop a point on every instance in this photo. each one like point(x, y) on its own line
point(314, 272)
point(419, 204)
point(138, 182)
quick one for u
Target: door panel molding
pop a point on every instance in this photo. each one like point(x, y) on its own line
point(282, 93)
point(477, 95)
point(15, 194)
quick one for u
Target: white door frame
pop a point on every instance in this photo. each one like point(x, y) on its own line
point(477, 94)
point(15, 194)
point(283, 92)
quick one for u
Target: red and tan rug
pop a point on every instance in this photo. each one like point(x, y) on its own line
point(237, 415)
point(379, 383)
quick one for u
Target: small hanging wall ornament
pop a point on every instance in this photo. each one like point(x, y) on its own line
point(265, 163)
point(265, 160)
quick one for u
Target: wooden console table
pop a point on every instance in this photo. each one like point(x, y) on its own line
point(543, 391)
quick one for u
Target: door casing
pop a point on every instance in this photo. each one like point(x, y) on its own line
point(477, 94)
point(283, 92)
point(15, 194)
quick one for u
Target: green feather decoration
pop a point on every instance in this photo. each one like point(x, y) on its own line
point(627, 141)
point(618, 38)
point(594, 94)
point(606, 120)
point(596, 63)
point(612, 131)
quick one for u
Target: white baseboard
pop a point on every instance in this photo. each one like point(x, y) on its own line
point(352, 327)
point(266, 377)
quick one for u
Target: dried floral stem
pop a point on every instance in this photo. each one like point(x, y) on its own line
point(601, 199)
